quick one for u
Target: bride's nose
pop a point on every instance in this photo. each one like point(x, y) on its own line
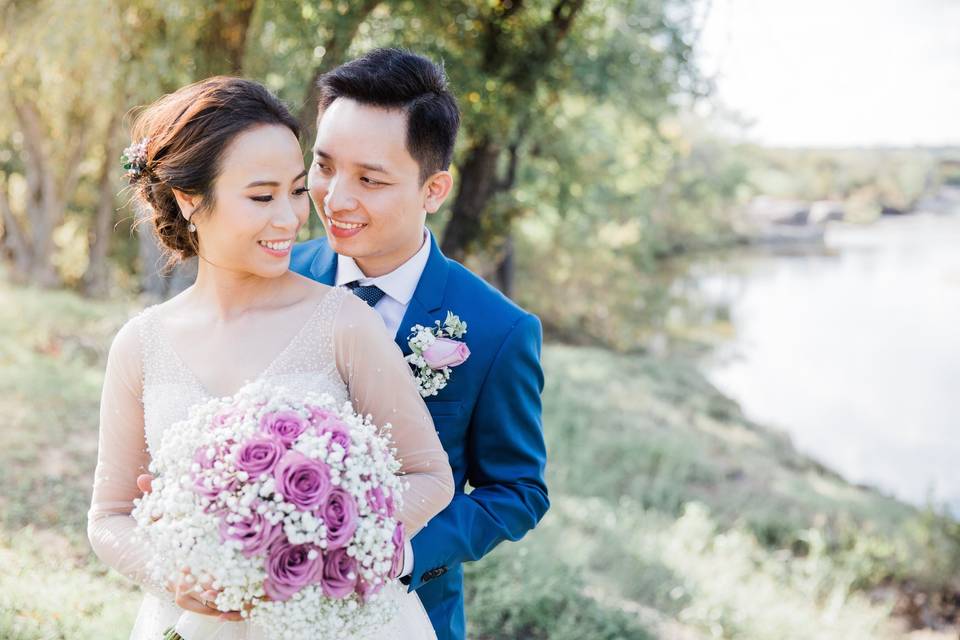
point(286, 216)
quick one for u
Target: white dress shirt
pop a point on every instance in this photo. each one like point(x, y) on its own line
point(398, 285)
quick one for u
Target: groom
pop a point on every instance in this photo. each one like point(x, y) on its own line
point(385, 139)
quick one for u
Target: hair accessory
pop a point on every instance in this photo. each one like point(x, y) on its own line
point(134, 159)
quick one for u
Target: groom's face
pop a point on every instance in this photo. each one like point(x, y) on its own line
point(366, 185)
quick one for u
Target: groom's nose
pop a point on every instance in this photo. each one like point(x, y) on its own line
point(338, 196)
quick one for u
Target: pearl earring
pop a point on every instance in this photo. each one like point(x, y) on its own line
point(192, 228)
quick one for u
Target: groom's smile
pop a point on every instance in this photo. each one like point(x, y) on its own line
point(344, 229)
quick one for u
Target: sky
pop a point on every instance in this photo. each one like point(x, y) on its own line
point(837, 72)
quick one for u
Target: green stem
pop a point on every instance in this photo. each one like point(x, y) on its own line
point(171, 634)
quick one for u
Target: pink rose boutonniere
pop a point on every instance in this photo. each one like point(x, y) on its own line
point(435, 351)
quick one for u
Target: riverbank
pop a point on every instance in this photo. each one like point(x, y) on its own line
point(673, 516)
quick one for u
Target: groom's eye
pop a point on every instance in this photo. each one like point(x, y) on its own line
point(372, 182)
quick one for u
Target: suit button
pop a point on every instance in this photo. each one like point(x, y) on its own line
point(433, 573)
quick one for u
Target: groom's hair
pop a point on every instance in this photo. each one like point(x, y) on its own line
point(398, 79)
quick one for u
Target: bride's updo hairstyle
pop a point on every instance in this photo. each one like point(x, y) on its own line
point(179, 143)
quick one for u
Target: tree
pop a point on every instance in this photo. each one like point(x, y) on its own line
point(513, 63)
point(54, 122)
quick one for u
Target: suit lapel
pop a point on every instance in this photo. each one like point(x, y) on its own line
point(428, 296)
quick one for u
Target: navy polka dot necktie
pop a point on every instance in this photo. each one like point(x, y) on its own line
point(370, 294)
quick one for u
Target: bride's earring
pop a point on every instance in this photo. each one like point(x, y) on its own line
point(192, 228)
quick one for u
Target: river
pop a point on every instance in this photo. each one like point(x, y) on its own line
point(853, 349)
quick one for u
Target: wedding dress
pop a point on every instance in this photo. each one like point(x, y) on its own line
point(343, 350)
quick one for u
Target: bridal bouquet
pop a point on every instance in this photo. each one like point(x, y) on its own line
point(285, 506)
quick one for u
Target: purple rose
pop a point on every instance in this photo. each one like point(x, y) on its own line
point(290, 568)
point(209, 486)
point(286, 425)
point(223, 418)
point(302, 481)
point(339, 576)
point(380, 502)
point(367, 590)
point(339, 433)
point(340, 515)
point(319, 415)
point(209, 482)
point(255, 533)
point(397, 550)
point(445, 352)
point(260, 455)
point(207, 455)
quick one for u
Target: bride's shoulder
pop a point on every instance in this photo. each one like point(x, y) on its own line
point(322, 295)
point(311, 288)
point(130, 339)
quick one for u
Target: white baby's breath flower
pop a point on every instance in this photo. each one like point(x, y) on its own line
point(183, 528)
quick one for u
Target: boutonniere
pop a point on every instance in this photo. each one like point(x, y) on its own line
point(436, 350)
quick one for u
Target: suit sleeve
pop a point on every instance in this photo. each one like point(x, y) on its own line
point(506, 456)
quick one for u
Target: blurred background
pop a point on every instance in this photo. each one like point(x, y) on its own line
point(739, 221)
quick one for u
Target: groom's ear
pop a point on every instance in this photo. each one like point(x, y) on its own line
point(436, 189)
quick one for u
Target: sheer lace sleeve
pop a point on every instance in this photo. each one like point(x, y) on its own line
point(380, 383)
point(121, 457)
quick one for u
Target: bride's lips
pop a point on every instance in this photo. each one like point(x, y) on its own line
point(277, 248)
point(344, 229)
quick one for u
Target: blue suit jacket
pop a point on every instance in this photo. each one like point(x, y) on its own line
point(488, 418)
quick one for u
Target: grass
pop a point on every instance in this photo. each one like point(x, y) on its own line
point(672, 517)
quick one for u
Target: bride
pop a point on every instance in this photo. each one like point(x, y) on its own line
point(220, 167)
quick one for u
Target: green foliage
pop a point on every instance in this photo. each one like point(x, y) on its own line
point(557, 82)
point(47, 591)
point(866, 180)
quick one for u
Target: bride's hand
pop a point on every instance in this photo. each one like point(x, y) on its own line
point(145, 482)
point(203, 601)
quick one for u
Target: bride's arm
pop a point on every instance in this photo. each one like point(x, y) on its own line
point(381, 384)
point(121, 457)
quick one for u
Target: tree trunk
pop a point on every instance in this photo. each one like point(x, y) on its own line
point(16, 249)
point(505, 268)
point(466, 232)
point(45, 204)
point(224, 40)
point(478, 185)
point(96, 278)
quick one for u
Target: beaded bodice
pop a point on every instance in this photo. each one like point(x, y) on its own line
point(306, 364)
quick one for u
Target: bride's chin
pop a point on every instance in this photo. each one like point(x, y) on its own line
point(268, 272)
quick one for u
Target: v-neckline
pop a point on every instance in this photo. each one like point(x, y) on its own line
point(207, 394)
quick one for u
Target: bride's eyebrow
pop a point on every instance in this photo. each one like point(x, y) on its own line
point(272, 183)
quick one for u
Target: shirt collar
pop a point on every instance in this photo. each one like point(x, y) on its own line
point(399, 284)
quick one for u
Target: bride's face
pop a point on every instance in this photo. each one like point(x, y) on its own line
point(260, 202)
